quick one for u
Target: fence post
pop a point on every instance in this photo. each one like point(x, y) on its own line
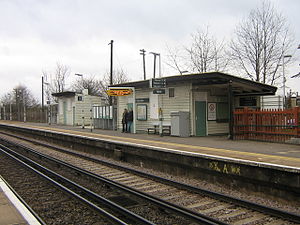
point(297, 122)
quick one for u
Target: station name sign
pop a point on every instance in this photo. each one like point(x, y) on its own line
point(119, 92)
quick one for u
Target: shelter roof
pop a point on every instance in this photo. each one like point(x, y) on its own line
point(240, 85)
point(64, 94)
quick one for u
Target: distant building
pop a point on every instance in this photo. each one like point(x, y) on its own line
point(76, 108)
point(271, 102)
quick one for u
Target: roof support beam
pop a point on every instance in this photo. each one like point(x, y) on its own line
point(253, 93)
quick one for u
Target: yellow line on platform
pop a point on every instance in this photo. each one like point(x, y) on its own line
point(168, 144)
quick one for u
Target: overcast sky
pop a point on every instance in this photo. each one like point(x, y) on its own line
point(36, 34)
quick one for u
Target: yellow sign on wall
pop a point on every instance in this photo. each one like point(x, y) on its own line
point(119, 92)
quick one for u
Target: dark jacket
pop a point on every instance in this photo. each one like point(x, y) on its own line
point(125, 117)
point(130, 116)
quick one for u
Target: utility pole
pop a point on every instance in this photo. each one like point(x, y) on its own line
point(144, 67)
point(111, 68)
point(154, 54)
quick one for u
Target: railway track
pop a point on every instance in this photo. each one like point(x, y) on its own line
point(151, 211)
point(194, 200)
point(61, 201)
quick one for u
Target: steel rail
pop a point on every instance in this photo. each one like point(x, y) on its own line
point(16, 156)
point(244, 203)
point(161, 203)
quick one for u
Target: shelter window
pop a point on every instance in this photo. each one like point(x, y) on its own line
point(222, 112)
point(79, 98)
point(171, 92)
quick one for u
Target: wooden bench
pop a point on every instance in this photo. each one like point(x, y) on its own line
point(153, 130)
point(166, 129)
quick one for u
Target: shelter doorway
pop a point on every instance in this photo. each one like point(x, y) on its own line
point(200, 113)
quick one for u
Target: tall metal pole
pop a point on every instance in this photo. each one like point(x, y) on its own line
point(18, 104)
point(111, 62)
point(10, 108)
point(42, 93)
point(154, 65)
point(111, 83)
point(159, 65)
point(24, 108)
point(4, 113)
point(144, 66)
point(283, 79)
point(111, 68)
point(10, 111)
point(154, 54)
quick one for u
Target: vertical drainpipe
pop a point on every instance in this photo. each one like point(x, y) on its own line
point(230, 105)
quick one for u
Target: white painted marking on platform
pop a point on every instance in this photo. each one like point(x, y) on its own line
point(26, 214)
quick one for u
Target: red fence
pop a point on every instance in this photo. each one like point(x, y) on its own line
point(267, 125)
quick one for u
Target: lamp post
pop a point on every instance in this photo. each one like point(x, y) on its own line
point(48, 104)
point(283, 79)
point(298, 74)
point(156, 54)
point(24, 108)
point(18, 100)
point(4, 113)
point(10, 110)
point(80, 75)
point(43, 83)
point(1, 106)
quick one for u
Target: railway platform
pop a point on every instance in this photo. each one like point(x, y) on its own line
point(265, 152)
point(12, 210)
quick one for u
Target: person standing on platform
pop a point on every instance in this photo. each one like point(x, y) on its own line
point(130, 120)
point(125, 121)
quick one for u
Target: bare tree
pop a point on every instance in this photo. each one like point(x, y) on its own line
point(204, 55)
point(176, 59)
point(23, 96)
point(60, 76)
point(296, 75)
point(56, 82)
point(94, 86)
point(99, 87)
point(119, 77)
point(260, 43)
point(7, 98)
point(17, 102)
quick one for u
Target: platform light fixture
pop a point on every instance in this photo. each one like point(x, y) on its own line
point(78, 74)
point(283, 78)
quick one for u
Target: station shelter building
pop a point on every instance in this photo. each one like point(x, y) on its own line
point(76, 108)
point(205, 102)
